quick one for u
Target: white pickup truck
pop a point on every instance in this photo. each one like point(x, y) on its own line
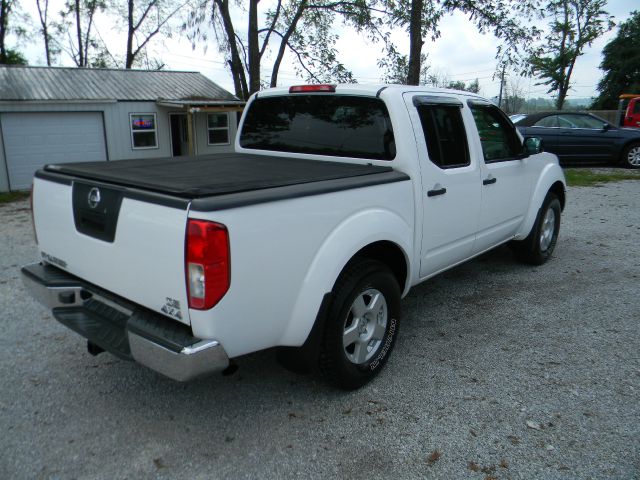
point(337, 201)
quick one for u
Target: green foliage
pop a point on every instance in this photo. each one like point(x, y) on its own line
point(313, 41)
point(14, 21)
point(473, 87)
point(575, 24)
point(508, 20)
point(143, 20)
point(396, 67)
point(621, 65)
point(13, 57)
point(303, 28)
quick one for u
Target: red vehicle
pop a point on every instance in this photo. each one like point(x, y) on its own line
point(631, 116)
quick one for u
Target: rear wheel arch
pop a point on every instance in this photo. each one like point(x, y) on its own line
point(391, 255)
point(559, 191)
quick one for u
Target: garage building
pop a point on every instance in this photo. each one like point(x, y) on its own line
point(56, 115)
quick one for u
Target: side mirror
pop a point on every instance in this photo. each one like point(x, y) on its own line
point(605, 127)
point(532, 145)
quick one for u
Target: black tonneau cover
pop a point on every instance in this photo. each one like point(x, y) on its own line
point(217, 182)
point(213, 175)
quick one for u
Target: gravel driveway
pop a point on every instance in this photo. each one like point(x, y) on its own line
point(500, 371)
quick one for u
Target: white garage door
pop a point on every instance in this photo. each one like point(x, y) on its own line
point(32, 140)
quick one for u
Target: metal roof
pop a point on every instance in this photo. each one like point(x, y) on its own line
point(19, 83)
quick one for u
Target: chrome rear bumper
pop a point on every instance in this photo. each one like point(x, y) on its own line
point(123, 328)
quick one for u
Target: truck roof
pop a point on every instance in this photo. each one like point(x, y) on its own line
point(372, 90)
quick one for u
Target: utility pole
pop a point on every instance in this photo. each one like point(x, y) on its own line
point(501, 86)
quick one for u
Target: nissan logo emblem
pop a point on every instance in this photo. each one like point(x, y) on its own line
point(94, 197)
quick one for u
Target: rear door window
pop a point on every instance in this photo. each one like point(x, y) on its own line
point(335, 125)
point(445, 135)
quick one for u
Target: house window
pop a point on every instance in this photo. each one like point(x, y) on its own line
point(218, 128)
point(143, 130)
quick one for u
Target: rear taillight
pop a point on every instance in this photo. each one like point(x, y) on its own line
point(33, 219)
point(207, 263)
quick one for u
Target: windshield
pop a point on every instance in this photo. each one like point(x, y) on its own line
point(335, 125)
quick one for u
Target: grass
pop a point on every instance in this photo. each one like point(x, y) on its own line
point(578, 177)
point(7, 197)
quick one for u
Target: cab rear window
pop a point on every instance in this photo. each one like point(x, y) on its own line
point(334, 125)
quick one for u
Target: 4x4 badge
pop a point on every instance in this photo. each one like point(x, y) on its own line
point(94, 197)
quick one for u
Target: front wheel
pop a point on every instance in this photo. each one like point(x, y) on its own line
point(631, 156)
point(537, 248)
point(362, 324)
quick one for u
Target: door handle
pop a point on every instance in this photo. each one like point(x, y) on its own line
point(433, 193)
point(489, 181)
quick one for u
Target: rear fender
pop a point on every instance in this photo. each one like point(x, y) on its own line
point(349, 237)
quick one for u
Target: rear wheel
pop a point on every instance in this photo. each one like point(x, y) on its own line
point(362, 324)
point(537, 248)
point(631, 156)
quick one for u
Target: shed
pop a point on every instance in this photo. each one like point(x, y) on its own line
point(56, 115)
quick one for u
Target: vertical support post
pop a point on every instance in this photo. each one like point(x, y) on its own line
point(501, 85)
point(190, 139)
point(620, 113)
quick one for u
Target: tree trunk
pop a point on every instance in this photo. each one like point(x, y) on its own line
point(415, 42)
point(562, 94)
point(45, 28)
point(563, 86)
point(80, 61)
point(47, 49)
point(254, 48)
point(237, 69)
point(4, 23)
point(284, 41)
point(130, 31)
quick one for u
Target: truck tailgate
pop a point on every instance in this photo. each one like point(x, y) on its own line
point(128, 246)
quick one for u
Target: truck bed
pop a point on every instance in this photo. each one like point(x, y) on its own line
point(213, 175)
point(217, 182)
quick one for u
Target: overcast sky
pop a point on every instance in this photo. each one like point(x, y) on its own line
point(461, 53)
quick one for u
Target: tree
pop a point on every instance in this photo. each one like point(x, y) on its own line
point(396, 67)
point(78, 23)
point(9, 10)
point(575, 25)
point(300, 27)
point(51, 48)
point(473, 87)
point(621, 64)
point(145, 20)
point(513, 101)
point(421, 17)
point(13, 57)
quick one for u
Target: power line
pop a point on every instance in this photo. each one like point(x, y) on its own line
point(471, 73)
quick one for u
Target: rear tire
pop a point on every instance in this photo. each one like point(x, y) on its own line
point(631, 156)
point(538, 247)
point(362, 324)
